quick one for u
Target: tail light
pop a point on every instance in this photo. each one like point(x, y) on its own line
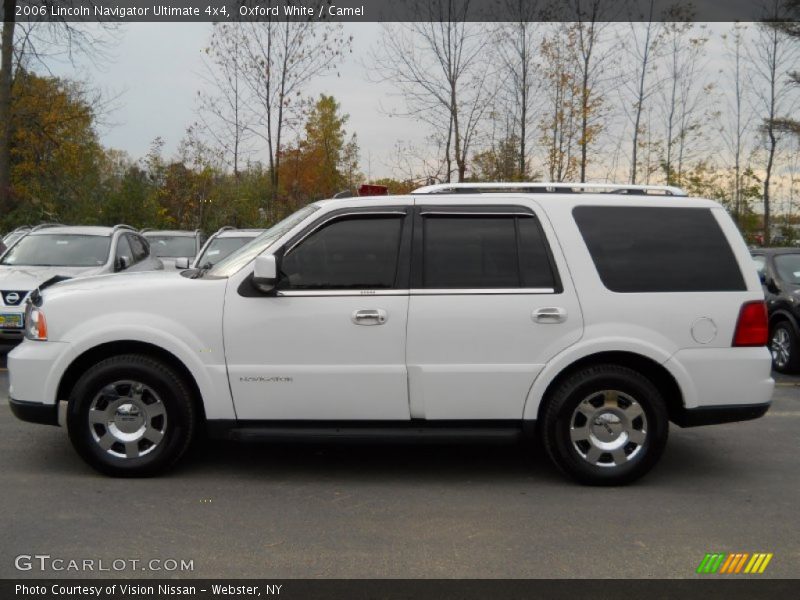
point(752, 327)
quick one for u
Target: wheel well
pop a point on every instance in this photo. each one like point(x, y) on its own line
point(92, 356)
point(780, 317)
point(655, 372)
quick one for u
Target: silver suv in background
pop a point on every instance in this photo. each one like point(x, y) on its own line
point(66, 252)
point(224, 242)
point(170, 245)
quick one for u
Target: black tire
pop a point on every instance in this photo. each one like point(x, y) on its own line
point(158, 400)
point(784, 335)
point(632, 403)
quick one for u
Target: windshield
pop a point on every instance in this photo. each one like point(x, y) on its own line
point(52, 250)
point(788, 266)
point(235, 261)
point(172, 246)
point(219, 248)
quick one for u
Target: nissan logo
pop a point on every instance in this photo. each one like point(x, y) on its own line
point(12, 298)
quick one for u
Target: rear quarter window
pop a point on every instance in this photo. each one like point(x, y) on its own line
point(659, 249)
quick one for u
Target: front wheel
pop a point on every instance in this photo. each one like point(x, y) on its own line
point(605, 425)
point(784, 346)
point(131, 416)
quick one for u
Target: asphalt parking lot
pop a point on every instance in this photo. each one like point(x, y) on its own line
point(399, 511)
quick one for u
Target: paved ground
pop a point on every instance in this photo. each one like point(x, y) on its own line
point(264, 511)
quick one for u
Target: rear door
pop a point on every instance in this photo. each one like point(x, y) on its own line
point(487, 310)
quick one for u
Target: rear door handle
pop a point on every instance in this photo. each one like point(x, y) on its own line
point(550, 314)
point(369, 317)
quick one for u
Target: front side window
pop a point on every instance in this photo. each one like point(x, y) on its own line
point(53, 250)
point(640, 249)
point(354, 252)
point(484, 251)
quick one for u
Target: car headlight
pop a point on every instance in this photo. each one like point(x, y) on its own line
point(35, 323)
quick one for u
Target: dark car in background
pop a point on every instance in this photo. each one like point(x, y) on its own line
point(779, 270)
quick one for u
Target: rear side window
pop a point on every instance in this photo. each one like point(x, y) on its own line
point(643, 249)
point(484, 251)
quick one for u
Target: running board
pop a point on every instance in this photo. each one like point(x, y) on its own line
point(371, 433)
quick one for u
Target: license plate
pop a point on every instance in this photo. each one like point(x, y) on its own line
point(10, 320)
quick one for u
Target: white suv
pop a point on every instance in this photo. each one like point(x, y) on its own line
point(591, 315)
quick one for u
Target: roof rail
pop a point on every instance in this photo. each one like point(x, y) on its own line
point(145, 230)
point(122, 226)
point(550, 188)
point(46, 226)
point(21, 228)
point(225, 228)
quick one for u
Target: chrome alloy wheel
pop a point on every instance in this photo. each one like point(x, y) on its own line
point(127, 419)
point(780, 346)
point(608, 428)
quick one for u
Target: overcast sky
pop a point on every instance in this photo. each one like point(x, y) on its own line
point(156, 73)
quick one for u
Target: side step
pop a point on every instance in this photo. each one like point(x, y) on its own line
point(391, 433)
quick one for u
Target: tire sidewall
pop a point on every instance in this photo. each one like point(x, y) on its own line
point(170, 389)
point(577, 389)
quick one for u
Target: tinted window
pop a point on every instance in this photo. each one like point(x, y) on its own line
point(642, 249)
point(52, 250)
point(788, 267)
point(138, 247)
point(534, 259)
point(348, 253)
point(475, 251)
point(469, 252)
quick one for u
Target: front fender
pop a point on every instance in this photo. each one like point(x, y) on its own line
point(204, 359)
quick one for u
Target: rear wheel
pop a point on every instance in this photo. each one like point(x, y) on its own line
point(785, 348)
point(131, 416)
point(605, 425)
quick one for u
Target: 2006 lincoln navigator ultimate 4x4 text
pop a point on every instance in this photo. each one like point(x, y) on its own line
point(591, 315)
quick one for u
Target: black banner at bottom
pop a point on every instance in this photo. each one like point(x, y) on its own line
point(398, 589)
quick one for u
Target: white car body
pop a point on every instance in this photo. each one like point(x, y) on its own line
point(446, 355)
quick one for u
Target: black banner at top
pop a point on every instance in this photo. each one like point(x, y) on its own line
point(404, 10)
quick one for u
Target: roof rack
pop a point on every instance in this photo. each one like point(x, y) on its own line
point(46, 226)
point(225, 228)
point(122, 226)
point(551, 188)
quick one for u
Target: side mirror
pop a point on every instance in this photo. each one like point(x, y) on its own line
point(182, 263)
point(122, 263)
point(772, 286)
point(265, 275)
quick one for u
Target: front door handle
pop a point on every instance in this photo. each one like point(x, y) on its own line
point(369, 317)
point(550, 314)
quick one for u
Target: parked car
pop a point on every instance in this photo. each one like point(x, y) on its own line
point(66, 252)
point(220, 245)
point(592, 315)
point(779, 271)
point(13, 236)
point(169, 245)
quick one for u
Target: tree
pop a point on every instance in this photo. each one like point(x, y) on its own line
point(500, 162)
point(324, 161)
point(40, 41)
point(440, 68)
point(517, 46)
point(56, 158)
point(280, 59)
point(771, 58)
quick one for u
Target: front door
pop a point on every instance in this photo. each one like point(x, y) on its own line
point(329, 344)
